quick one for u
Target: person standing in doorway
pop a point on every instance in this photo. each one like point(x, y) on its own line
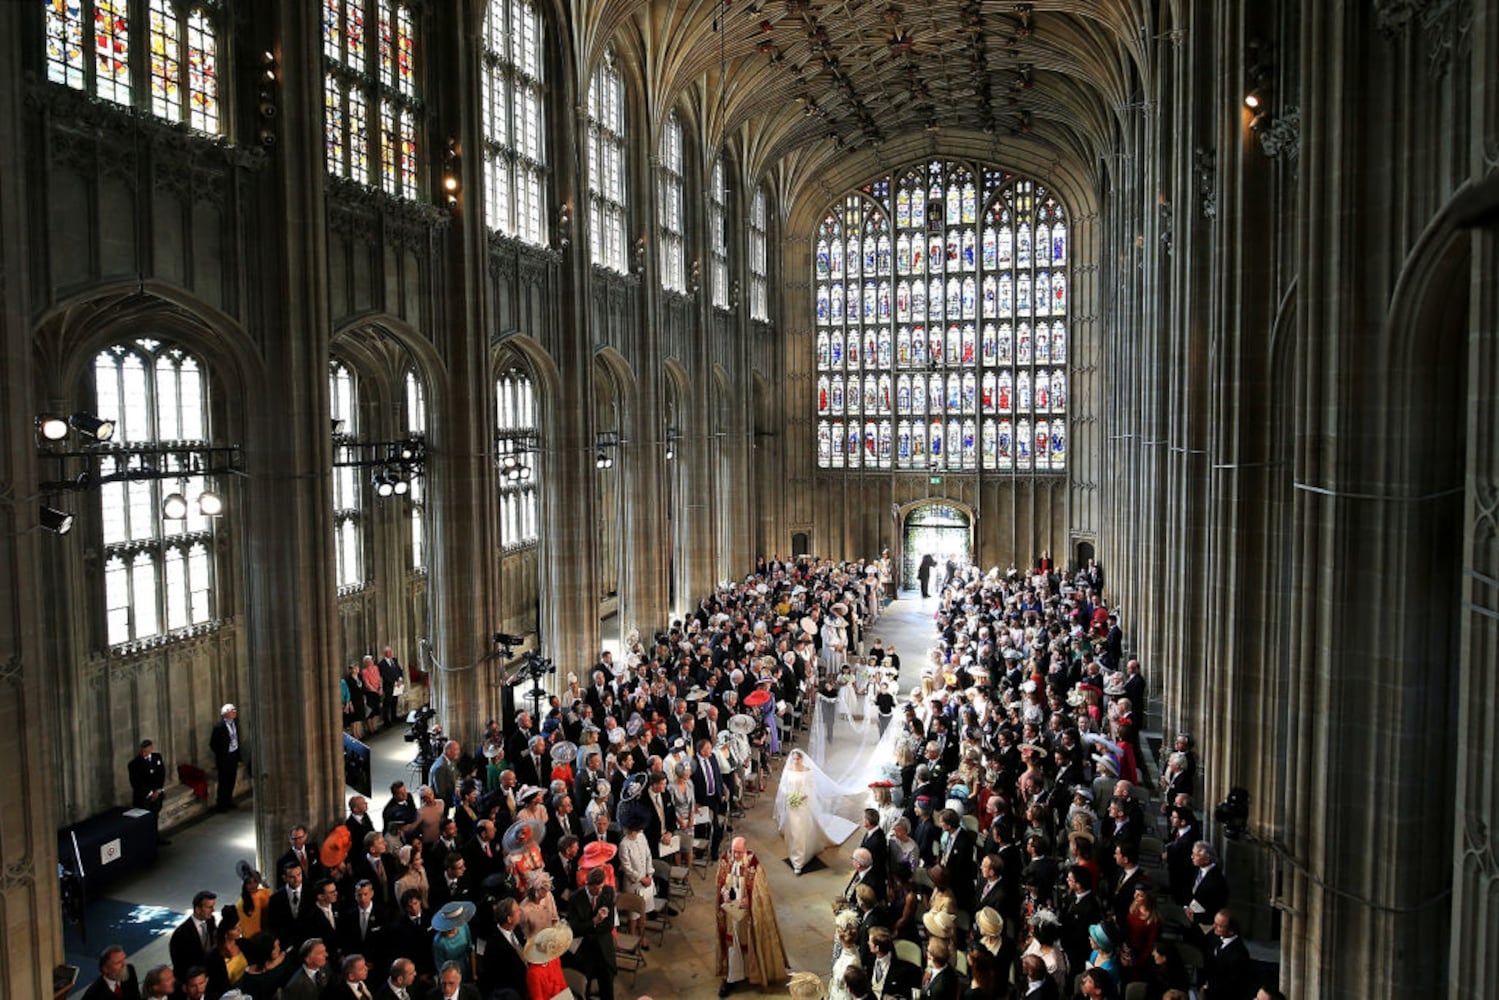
point(924, 573)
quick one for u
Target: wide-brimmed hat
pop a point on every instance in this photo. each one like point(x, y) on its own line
point(455, 914)
point(528, 792)
point(990, 923)
point(548, 944)
point(598, 852)
point(493, 750)
point(336, 846)
point(744, 724)
point(564, 753)
point(1100, 937)
point(805, 986)
point(522, 834)
point(839, 608)
point(939, 923)
point(809, 626)
point(695, 694)
point(633, 787)
point(758, 697)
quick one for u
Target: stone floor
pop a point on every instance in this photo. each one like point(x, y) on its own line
point(203, 856)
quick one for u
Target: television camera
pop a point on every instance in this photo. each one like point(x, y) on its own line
point(426, 734)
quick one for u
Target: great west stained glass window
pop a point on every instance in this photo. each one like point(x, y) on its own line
point(371, 98)
point(181, 64)
point(941, 303)
point(606, 167)
point(158, 573)
point(515, 159)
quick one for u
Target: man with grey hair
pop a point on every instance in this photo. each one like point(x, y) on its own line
point(863, 875)
point(1209, 888)
point(351, 976)
point(116, 977)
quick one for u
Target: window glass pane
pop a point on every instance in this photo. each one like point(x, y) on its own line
point(200, 583)
point(166, 64)
point(63, 27)
point(117, 600)
point(176, 600)
point(143, 595)
point(202, 73)
point(112, 50)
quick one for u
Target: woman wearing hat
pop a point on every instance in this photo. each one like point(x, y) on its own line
point(635, 868)
point(598, 854)
point(453, 941)
point(254, 897)
point(846, 953)
point(1142, 931)
point(414, 879)
point(989, 935)
point(538, 910)
point(1103, 955)
point(543, 954)
point(941, 925)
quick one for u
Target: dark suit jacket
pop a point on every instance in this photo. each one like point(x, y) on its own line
point(413, 941)
point(527, 773)
point(715, 801)
point(902, 978)
point(502, 964)
point(874, 841)
point(358, 827)
point(287, 928)
point(371, 943)
point(942, 986)
point(299, 987)
point(1211, 894)
point(962, 870)
point(218, 742)
point(130, 988)
point(186, 947)
point(597, 939)
point(1124, 894)
point(1046, 989)
point(315, 925)
point(1230, 972)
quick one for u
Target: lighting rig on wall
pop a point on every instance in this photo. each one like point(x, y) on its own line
point(511, 453)
point(394, 464)
point(672, 437)
point(100, 461)
point(1257, 73)
point(564, 226)
point(604, 446)
point(452, 162)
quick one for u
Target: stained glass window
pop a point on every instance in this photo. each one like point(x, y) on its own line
point(976, 262)
point(348, 502)
point(515, 457)
point(670, 198)
point(180, 41)
point(606, 167)
point(371, 98)
point(158, 577)
point(758, 269)
point(514, 99)
point(718, 241)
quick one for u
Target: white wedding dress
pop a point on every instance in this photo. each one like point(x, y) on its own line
point(812, 811)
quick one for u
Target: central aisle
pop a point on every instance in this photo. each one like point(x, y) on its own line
point(684, 967)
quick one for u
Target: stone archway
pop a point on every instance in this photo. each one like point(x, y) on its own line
point(939, 528)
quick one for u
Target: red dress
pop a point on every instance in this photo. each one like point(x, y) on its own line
point(545, 981)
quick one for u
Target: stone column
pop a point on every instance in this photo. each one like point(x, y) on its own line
point(290, 597)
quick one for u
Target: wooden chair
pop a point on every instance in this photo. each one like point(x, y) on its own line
point(576, 981)
point(629, 949)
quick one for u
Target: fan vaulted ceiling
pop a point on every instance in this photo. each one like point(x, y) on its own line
point(816, 79)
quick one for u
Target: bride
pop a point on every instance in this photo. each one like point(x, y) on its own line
point(811, 810)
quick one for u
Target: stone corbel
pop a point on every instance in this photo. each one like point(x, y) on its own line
point(1283, 136)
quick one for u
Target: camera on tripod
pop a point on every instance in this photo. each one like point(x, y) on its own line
point(426, 734)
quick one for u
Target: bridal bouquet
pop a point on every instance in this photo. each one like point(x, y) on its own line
point(796, 800)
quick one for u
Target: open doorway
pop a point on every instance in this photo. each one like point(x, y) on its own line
point(938, 529)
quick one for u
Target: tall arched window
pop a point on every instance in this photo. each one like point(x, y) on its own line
point(348, 503)
point(158, 573)
point(515, 160)
point(941, 299)
point(98, 47)
point(669, 207)
point(515, 455)
point(606, 167)
point(416, 427)
point(371, 100)
point(758, 270)
point(718, 235)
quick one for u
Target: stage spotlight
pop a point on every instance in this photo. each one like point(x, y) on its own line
point(401, 486)
point(174, 507)
point(58, 522)
point(51, 427)
point(383, 485)
point(210, 504)
point(91, 426)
